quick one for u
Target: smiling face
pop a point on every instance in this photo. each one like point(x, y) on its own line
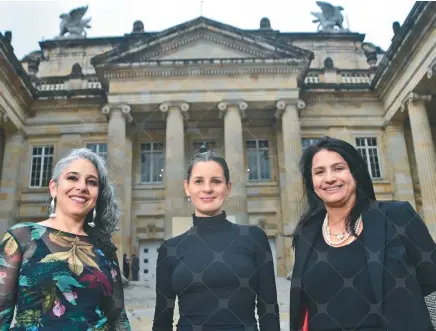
point(332, 180)
point(207, 188)
point(76, 190)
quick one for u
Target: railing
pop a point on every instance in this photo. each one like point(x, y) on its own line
point(337, 76)
point(94, 83)
point(355, 78)
point(51, 85)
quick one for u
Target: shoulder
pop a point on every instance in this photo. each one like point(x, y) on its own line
point(397, 207)
point(394, 204)
point(22, 230)
point(399, 212)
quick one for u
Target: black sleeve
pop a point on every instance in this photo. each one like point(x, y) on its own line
point(165, 296)
point(267, 305)
point(418, 241)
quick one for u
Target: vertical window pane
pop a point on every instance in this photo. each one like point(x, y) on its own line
point(368, 148)
point(258, 159)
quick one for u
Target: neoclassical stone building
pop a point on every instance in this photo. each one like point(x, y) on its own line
point(147, 101)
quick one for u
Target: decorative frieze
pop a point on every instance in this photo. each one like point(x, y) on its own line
point(177, 68)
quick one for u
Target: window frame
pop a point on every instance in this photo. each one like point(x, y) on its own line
point(42, 157)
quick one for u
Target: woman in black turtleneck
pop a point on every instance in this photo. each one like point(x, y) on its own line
point(218, 270)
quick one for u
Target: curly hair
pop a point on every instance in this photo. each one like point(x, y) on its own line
point(107, 210)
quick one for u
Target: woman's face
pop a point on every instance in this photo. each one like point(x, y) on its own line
point(76, 191)
point(332, 179)
point(207, 188)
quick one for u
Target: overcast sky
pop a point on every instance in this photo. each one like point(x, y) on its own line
point(33, 21)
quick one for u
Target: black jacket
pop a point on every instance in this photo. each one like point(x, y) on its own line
point(401, 257)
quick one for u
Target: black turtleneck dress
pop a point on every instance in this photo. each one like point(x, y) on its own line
point(218, 270)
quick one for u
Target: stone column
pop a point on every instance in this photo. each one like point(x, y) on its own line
point(233, 113)
point(399, 161)
point(118, 114)
point(11, 179)
point(174, 175)
point(425, 156)
point(290, 180)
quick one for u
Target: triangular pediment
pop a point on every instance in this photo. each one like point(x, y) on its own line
point(203, 49)
point(201, 38)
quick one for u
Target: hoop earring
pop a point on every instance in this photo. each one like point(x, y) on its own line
point(52, 209)
point(94, 215)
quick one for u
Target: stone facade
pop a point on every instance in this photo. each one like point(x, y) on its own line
point(147, 101)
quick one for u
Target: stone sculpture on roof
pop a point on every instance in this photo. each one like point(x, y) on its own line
point(74, 24)
point(329, 18)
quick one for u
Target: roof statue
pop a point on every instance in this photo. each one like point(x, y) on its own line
point(74, 24)
point(329, 18)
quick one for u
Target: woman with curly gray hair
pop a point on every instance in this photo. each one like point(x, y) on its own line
point(62, 273)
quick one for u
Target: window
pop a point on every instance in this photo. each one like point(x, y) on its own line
point(41, 168)
point(369, 151)
point(152, 162)
point(306, 142)
point(258, 160)
point(100, 149)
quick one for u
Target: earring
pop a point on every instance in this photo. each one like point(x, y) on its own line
point(52, 209)
point(189, 199)
point(94, 214)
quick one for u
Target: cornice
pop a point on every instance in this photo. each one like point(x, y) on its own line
point(201, 67)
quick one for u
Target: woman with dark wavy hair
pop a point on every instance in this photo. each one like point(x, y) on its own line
point(62, 273)
point(360, 264)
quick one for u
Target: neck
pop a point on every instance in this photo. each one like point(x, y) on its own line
point(207, 214)
point(338, 214)
point(210, 221)
point(69, 224)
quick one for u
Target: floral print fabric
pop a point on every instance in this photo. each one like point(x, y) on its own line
point(58, 281)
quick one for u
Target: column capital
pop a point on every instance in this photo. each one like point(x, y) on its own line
point(431, 71)
point(223, 106)
point(282, 104)
point(181, 105)
point(124, 108)
point(413, 97)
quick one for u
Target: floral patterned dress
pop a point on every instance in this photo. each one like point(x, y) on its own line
point(58, 281)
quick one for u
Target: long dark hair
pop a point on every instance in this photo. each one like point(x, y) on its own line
point(358, 168)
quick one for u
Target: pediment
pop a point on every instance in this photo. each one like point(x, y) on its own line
point(203, 49)
point(202, 39)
